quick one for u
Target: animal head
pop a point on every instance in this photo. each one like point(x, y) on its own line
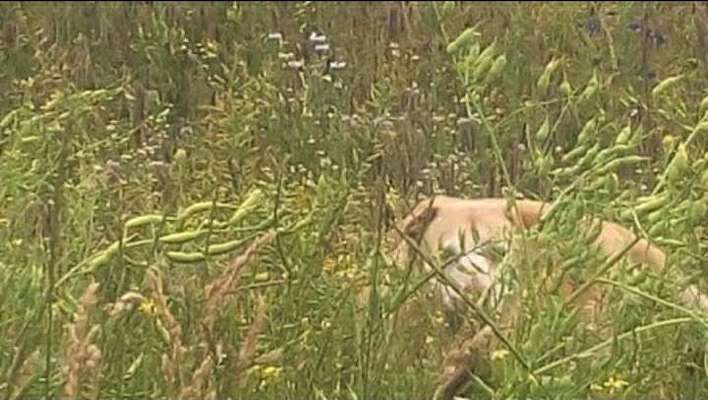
point(413, 227)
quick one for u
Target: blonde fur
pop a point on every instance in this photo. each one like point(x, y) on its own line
point(460, 226)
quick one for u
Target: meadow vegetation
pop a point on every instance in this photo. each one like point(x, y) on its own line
point(194, 197)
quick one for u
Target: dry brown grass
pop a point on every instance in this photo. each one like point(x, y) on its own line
point(83, 356)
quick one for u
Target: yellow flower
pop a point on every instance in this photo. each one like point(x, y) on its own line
point(147, 306)
point(615, 383)
point(270, 372)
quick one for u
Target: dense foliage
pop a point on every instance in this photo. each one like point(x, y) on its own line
point(194, 196)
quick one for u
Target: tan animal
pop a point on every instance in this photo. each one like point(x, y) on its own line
point(461, 226)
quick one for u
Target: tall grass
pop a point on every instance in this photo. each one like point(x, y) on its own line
point(195, 196)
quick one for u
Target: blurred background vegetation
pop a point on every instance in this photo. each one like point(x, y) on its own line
point(318, 119)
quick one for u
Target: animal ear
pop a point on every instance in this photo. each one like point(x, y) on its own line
point(524, 216)
point(420, 222)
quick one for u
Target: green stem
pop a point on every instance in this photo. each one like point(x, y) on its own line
point(622, 336)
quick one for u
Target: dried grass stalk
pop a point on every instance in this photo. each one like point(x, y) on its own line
point(83, 356)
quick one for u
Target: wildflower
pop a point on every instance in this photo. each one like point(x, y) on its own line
point(615, 383)
point(286, 56)
point(295, 64)
point(147, 306)
point(337, 64)
point(275, 36)
point(317, 38)
point(271, 372)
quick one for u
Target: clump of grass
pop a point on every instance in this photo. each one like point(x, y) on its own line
point(248, 346)
point(21, 378)
point(173, 361)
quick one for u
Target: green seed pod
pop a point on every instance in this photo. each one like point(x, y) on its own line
point(261, 276)
point(670, 242)
point(249, 204)
point(543, 131)
point(606, 154)
point(597, 184)
point(143, 220)
point(303, 222)
point(186, 258)
point(591, 88)
point(465, 39)
point(258, 227)
point(29, 139)
point(542, 83)
point(221, 248)
point(567, 171)
point(163, 331)
point(647, 204)
point(181, 237)
point(662, 86)
point(679, 165)
point(653, 202)
point(484, 62)
point(100, 260)
point(543, 163)
point(200, 207)
point(488, 52)
point(9, 118)
point(105, 256)
point(473, 53)
point(497, 69)
point(613, 183)
point(545, 79)
point(614, 164)
point(573, 154)
point(625, 135)
point(657, 217)
point(565, 88)
point(588, 129)
point(589, 156)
